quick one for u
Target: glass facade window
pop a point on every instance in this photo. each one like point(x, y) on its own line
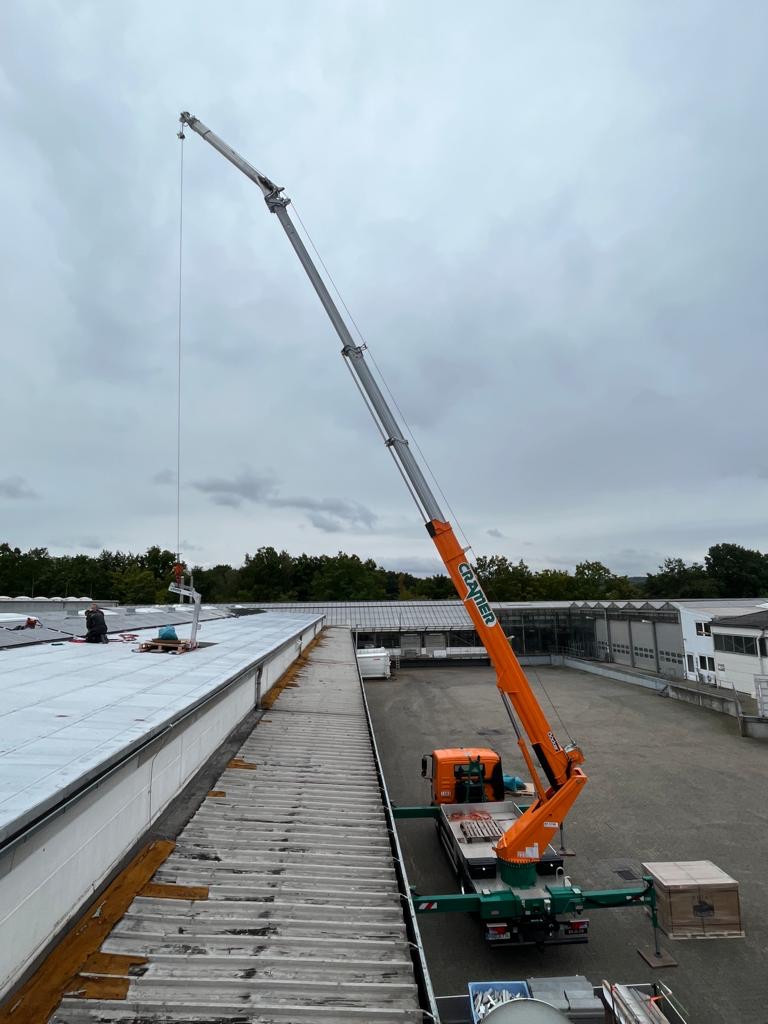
point(736, 644)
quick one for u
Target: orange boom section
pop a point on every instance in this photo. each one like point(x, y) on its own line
point(529, 837)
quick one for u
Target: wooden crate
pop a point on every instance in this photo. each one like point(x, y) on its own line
point(696, 900)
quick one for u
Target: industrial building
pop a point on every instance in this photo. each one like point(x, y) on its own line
point(672, 639)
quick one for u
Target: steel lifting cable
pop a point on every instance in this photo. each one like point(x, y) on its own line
point(400, 412)
point(181, 137)
point(410, 431)
point(535, 672)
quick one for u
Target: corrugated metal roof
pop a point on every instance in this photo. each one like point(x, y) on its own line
point(383, 614)
point(303, 921)
point(406, 616)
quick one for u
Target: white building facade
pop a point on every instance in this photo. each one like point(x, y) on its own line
point(741, 650)
point(696, 621)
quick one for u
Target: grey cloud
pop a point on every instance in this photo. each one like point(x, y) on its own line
point(245, 487)
point(325, 523)
point(493, 532)
point(584, 337)
point(16, 488)
point(91, 543)
point(164, 476)
point(227, 500)
point(331, 515)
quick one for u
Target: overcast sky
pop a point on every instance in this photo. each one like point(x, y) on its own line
point(548, 219)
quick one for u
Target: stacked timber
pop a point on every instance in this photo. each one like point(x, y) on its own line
point(696, 900)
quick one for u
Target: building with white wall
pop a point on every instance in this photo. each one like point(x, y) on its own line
point(741, 650)
point(696, 619)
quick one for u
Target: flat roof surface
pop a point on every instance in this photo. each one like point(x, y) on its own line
point(667, 782)
point(69, 710)
point(59, 625)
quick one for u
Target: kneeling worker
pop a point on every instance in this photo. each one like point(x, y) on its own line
point(97, 626)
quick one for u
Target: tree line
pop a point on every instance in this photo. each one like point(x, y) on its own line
point(728, 570)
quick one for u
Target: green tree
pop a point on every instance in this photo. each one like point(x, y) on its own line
point(10, 570)
point(503, 580)
point(134, 586)
point(434, 588)
point(738, 571)
point(305, 568)
point(219, 584)
point(348, 578)
point(595, 582)
point(267, 575)
point(160, 562)
point(554, 585)
point(675, 579)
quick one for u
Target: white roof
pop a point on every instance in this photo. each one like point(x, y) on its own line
point(69, 709)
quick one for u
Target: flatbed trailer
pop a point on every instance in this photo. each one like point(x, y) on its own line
point(540, 912)
point(468, 833)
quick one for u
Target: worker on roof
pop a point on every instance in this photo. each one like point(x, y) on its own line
point(96, 625)
point(31, 623)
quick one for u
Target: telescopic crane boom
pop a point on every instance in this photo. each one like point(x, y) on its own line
point(528, 838)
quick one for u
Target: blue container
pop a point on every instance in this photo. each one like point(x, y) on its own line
point(515, 988)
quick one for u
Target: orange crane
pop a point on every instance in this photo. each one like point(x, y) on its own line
point(526, 840)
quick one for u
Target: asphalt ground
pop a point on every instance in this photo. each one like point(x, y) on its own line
point(667, 782)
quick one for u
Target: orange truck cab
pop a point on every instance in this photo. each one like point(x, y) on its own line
point(461, 775)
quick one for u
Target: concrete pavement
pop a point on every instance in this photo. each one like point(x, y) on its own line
point(667, 782)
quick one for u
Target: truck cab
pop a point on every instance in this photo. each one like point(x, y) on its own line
point(461, 775)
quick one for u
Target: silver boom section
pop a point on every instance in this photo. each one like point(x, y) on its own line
point(354, 354)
